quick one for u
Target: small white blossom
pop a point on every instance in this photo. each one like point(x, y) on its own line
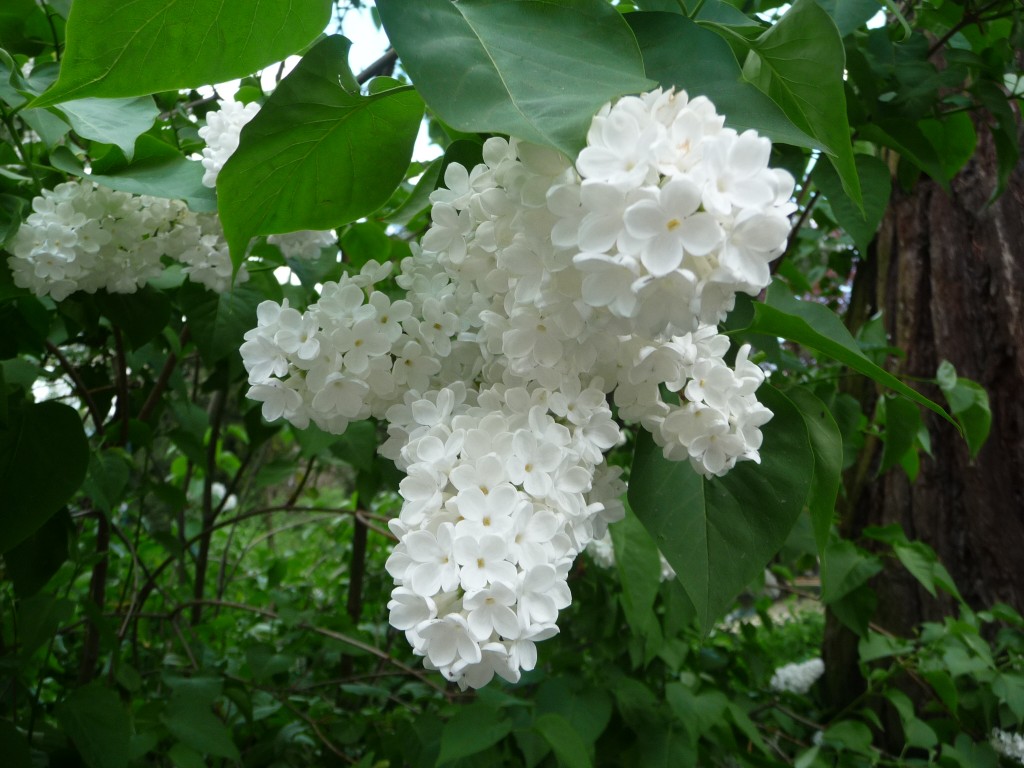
point(797, 677)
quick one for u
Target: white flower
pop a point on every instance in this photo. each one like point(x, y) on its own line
point(797, 677)
point(669, 226)
point(297, 334)
point(542, 594)
point(483, 562)
point(409, 609)
point(449, 640)
point(490, 610)
point(342, 395)
point(490, 513)
point(305, 244)
point(522, 650)
point(618, 147)
point(279, 400)
point(1008, 744)
point(221, 134)
point(540, 293)
point(736, 172)
point(433, 566)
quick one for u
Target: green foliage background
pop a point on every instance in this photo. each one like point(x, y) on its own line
point(184, 584)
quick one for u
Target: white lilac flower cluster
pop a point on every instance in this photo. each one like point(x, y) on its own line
point(222, 133)
point(85, 237)
point(798, 677)
point(1008, 744)
point(305, 244)
point(539, 292)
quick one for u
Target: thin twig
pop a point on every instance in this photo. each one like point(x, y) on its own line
point(161, 382)
point(385, 65)
point(316, 729)
point(209, 512)
point(80, 387)
point(301, 485)
point(151, 584)
point(329, 633)
point(966, 21)
point(796, 230)
point(121, 381)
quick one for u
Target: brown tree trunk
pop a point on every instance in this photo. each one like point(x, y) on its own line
point(949, 279)
point(951, 286)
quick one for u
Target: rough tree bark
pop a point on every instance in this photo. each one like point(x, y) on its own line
point(948, 274)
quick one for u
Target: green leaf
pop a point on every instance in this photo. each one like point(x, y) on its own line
point(1009, 687)
point(817, 327)
point(923, 564)
point(902, 422)
point(569, 748)
point(157, 169)
point(698, 712)
point(587, 709)
point(12, 212)
point(855, 610)
point(677, 52)
point(95, 720)
point(747, 727)
point(971, 755)
point(639, 565)
point(304, 162)
point(130, 49)
point(39, 617)
point(185, 757)
point(14, 747)
point(357, 446)
point(954, 139)
point(850, 15)
point(111, 121)
point(968, 401)
point(141, 315)
point(876, 187)
point(635, 701)
point(846, 568)
point(189, 718)
point(799, 63)
point(219, 320)
point(108, 476)
point(718, 534)
point(43, 458)
point(944, 687)
point(917, 732)
point(32, 563)
point(876, 646)
point(849, 734)
point(473, 729)
point(363, 241)
point(665, 745)
point(21, 27)
point(827, 446)
point(910, 141)
point(533, 69)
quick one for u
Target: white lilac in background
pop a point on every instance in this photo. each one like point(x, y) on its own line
point(82, 236)
point(798, 677)
point(540, 292)
point(1008, 744)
